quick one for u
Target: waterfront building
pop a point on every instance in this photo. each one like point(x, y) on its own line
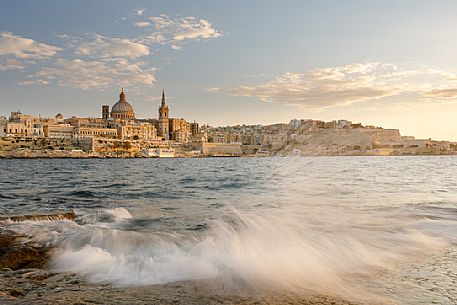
point(59, 118)
point(91, 132)
point(116, 131)
point(62, 131)
point(137, 131)
point(18, 129)
point(37, 130)
point(180, 130)
point(294, 123)
point(194, 128)
point(88, 122)
point(18, 117)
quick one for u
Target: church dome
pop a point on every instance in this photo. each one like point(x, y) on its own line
point(122, 109)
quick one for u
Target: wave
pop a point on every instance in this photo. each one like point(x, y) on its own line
point(280, 251)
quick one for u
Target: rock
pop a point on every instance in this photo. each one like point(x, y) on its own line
point(16, 255)
point(42, 217)
point(15, 293)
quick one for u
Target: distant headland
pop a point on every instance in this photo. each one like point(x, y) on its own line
point(117, 133)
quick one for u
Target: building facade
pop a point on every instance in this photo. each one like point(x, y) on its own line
point(164, 130)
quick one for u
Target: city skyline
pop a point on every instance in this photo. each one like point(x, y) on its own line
point(363, 62)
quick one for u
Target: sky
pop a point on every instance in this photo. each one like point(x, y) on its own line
point(387, 63)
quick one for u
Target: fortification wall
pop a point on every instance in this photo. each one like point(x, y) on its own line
point(221, 149)
point(17, 143)
point(115, 146)
point(382, 135)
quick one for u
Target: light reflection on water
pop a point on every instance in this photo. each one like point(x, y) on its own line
point(345, 223)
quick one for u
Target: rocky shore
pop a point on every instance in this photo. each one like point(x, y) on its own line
point(26, 279)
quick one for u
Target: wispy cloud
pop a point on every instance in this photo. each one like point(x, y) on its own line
point(31, 82)
point(344, 85)
point(16, 51)
point(94, 74)
point(442, 93)
point(25, 48)
point(142, 24)
point(106, 47)
point(192, 28)
point(139, 11)
point(176, 30)
point(11, 64)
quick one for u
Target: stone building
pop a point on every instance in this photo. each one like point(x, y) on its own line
point(180, 130)
point(18, 129)
point(164, 130)
point(105, 112)
point(59, 118)
point(194, 128)
point(62, 131)
point(137, 131)
point(91, 132)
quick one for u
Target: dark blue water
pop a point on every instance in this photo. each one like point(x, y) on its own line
point(354, 225)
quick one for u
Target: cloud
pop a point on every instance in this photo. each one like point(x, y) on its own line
point(94, 61)
point(191, 28)
point(175, 47)
point(139, 11)
point(162, 22)
point(442, 93)
point(25, 48)
point(344, 85)
point(17, 52)
point(94, 74)
point(106, 47)
point(11, 64)
point(177, 30)
point(142, 24)
point(34, 82)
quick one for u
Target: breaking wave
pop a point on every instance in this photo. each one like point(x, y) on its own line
point(278, 251)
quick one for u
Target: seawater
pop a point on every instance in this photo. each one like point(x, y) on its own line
point(373, 228)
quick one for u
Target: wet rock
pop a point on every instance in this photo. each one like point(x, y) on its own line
point(42, 217)
point(7, 238)
point(15, 293)
point(15, 254)
point(23, 257)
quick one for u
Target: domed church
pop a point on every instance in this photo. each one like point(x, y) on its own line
point(122, 109)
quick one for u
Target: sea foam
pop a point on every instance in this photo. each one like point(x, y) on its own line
point(243, 249)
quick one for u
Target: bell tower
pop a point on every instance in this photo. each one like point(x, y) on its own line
point(163, 131)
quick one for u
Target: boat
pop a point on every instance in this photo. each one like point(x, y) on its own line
point(158, 152)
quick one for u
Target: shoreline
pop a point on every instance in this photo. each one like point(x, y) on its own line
point(210, 157)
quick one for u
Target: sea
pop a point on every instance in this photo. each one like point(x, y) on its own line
point(368, 228)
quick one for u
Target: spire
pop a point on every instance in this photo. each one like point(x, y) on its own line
point(163, 98)
point(122, 96)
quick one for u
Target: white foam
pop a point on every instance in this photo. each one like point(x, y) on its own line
point(257, 250)
point(119, 213)
point(277, 250)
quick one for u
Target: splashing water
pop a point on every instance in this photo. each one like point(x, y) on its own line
point(242, 250)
